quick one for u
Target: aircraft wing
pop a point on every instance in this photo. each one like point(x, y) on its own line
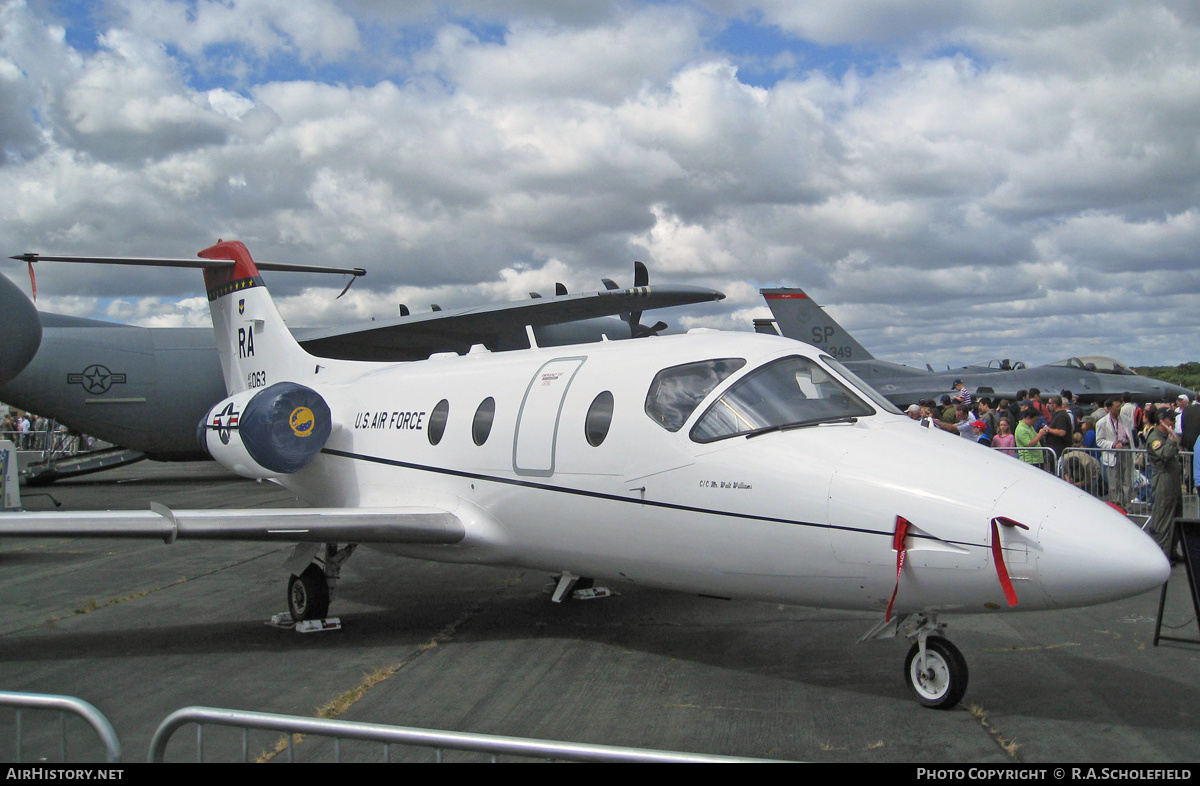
point(419, 335)
point(291, 525)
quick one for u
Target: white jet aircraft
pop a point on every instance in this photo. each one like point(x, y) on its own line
point(736, 465)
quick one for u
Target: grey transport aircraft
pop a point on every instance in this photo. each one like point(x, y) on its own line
point(145, 389)
point(20, 328)
point(1092, 378)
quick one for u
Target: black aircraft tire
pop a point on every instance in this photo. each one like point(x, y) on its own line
point(943, 682)
point(308, 594)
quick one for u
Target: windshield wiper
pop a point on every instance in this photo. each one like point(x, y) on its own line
point(799, 424)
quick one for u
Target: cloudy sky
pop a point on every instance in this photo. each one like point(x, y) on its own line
point(957, 179)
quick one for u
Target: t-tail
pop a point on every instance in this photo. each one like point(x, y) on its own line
point(274, 421)
point(255, 346)
point(799, 317)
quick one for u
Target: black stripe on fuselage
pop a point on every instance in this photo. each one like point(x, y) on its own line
point(611, 497)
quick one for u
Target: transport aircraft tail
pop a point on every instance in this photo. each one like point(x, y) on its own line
point(799, 317)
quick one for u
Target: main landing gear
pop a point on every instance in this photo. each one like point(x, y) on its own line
point(308, 594)
point(311, 591)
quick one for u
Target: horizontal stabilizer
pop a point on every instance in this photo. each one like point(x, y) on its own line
point(290, 525)
point(189, 263)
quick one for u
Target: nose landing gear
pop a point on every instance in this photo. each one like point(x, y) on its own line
point(936, 672)
point(935, 669)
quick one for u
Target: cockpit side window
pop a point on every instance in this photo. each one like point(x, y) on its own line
point(790, 391)
point(677, 391)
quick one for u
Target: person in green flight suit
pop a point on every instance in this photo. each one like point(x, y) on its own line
point(1162, 452)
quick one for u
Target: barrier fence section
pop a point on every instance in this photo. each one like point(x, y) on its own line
point(338, 730)
point(1124, 476)
point(64, 705)
point(404, 735)
point(51, 441)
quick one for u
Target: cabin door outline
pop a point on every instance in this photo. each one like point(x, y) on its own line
point(534, 442)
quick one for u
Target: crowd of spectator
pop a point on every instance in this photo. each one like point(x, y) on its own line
point(1125, 452)
point(34, 432)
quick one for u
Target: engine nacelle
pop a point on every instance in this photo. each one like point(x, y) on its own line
point(267, 433)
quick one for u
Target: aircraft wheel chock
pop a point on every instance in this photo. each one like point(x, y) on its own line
point(942, 681)
point(308, 594)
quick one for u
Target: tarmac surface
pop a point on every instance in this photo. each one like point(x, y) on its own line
point(140, 629)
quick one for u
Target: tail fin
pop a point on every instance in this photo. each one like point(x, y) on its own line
point(800, 318)
point(255, 346)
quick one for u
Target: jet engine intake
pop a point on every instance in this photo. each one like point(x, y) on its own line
point(269, 432)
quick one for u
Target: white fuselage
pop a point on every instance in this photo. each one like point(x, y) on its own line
point(802, 516)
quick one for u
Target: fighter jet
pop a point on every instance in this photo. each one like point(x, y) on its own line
point(1090, 379)
point(735, 465)
point(144, 389)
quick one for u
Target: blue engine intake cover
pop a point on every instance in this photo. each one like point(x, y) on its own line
point(284, 426)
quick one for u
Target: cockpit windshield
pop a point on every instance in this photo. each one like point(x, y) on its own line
point(1097, 363)
point(787, 393)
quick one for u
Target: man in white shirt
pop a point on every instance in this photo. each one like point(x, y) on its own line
point(1114, 440)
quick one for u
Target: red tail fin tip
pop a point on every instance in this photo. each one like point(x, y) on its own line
point(217, 280)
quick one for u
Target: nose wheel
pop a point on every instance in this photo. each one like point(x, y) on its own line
point(936, 672)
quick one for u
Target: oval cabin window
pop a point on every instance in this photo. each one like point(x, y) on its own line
point(481, 427)
point(437, 421)
point(599, 418)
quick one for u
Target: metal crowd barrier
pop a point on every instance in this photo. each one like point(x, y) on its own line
point(1122, 476)
point(338, 730)
point(64, 705)
point(50, 441)
point(404, 735)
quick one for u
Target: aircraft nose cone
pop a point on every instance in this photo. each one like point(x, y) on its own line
point(1092, 554)
point(21, 330)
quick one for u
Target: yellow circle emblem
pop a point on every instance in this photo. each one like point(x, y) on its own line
point(302, 421)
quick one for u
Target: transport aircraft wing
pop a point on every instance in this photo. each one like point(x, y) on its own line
point(419, 335)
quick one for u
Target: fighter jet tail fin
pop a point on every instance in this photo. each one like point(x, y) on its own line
point(799, 317)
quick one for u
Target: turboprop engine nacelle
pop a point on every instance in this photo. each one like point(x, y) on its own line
point(267, 433)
